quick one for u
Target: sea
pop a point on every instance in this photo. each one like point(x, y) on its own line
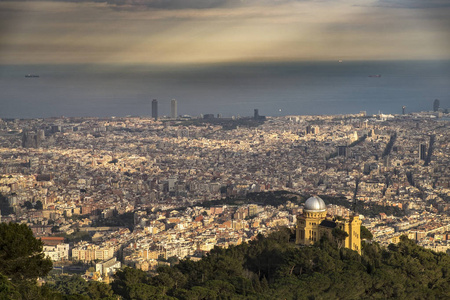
point(275, 89)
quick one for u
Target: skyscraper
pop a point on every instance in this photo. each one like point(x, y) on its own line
point(403, 110)
point(342, 151)
point(173, 109)
point(155, 109)
point(436, 105)
point(422, 151)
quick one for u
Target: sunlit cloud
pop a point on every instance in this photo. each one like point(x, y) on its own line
point(203, 31)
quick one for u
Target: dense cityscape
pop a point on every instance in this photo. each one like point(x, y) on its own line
point(144, 192)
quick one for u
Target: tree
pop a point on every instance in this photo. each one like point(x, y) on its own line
point(127, 280)
point(99, 290)
point(28, 205)
point(340, 236)
point(39, 205)
point(366, 234)
point(7, 289)
point(21, 256)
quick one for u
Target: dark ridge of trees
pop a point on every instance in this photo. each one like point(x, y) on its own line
point(269, 267)
point(272, 268)
point(274, 198)
point(76, 236)
point(389, 145)
point(360, 207)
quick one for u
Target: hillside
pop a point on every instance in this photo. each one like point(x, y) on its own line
point(270, 268)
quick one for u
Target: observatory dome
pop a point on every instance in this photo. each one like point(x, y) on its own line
point(315, 204)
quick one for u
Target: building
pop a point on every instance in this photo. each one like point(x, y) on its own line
point(436, 105)
point(313, 223)
point(55, 248)
point(155, 109)
point(89, 253)
point(403, 110)
point(108, 267)
point(422, 151)
point(256, 115)
point(342, 151)
point(173, 109)
point(32, 139)
point(312, 129)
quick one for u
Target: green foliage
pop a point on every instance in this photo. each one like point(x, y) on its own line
point(39, 205)
point(366, 234)
point(21, 256)
point(273, 198)
point(28, 205)
point(128, 281)
point(273, 268)
point(70, 285)
point(7, 289)
point(270, 267)
point(367, 209)
point(98, 290)
point(76, 237)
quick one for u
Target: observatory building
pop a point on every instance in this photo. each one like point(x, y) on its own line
point(313, 223)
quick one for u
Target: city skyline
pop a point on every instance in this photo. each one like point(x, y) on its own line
point(200, 31)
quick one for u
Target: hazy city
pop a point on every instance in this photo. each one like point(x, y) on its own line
point(140, 191)
point(224, 149)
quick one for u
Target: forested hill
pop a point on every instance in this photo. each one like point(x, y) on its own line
point(274, 268)
point(270, 267)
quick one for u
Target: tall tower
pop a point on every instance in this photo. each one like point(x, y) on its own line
point(256, 114)
point(342, 151)
point(173, 109)
point(403, 110)
point(436, 105)
point(422, 151)
point(155, 109)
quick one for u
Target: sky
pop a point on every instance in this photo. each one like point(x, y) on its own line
point(217, 31)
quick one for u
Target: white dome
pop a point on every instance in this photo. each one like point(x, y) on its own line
point(315, 204)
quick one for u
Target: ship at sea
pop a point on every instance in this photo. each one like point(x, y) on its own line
point(31, 76)
point(375, 76)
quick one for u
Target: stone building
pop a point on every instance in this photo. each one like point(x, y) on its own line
point(313, 223)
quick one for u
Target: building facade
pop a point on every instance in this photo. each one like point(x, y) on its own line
point(55, 248)
point(173, 109)
point(313, 223)
point(155, 109)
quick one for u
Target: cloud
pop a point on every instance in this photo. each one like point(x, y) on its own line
point(191, 31)
point(176, 4)
point(413, 4)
